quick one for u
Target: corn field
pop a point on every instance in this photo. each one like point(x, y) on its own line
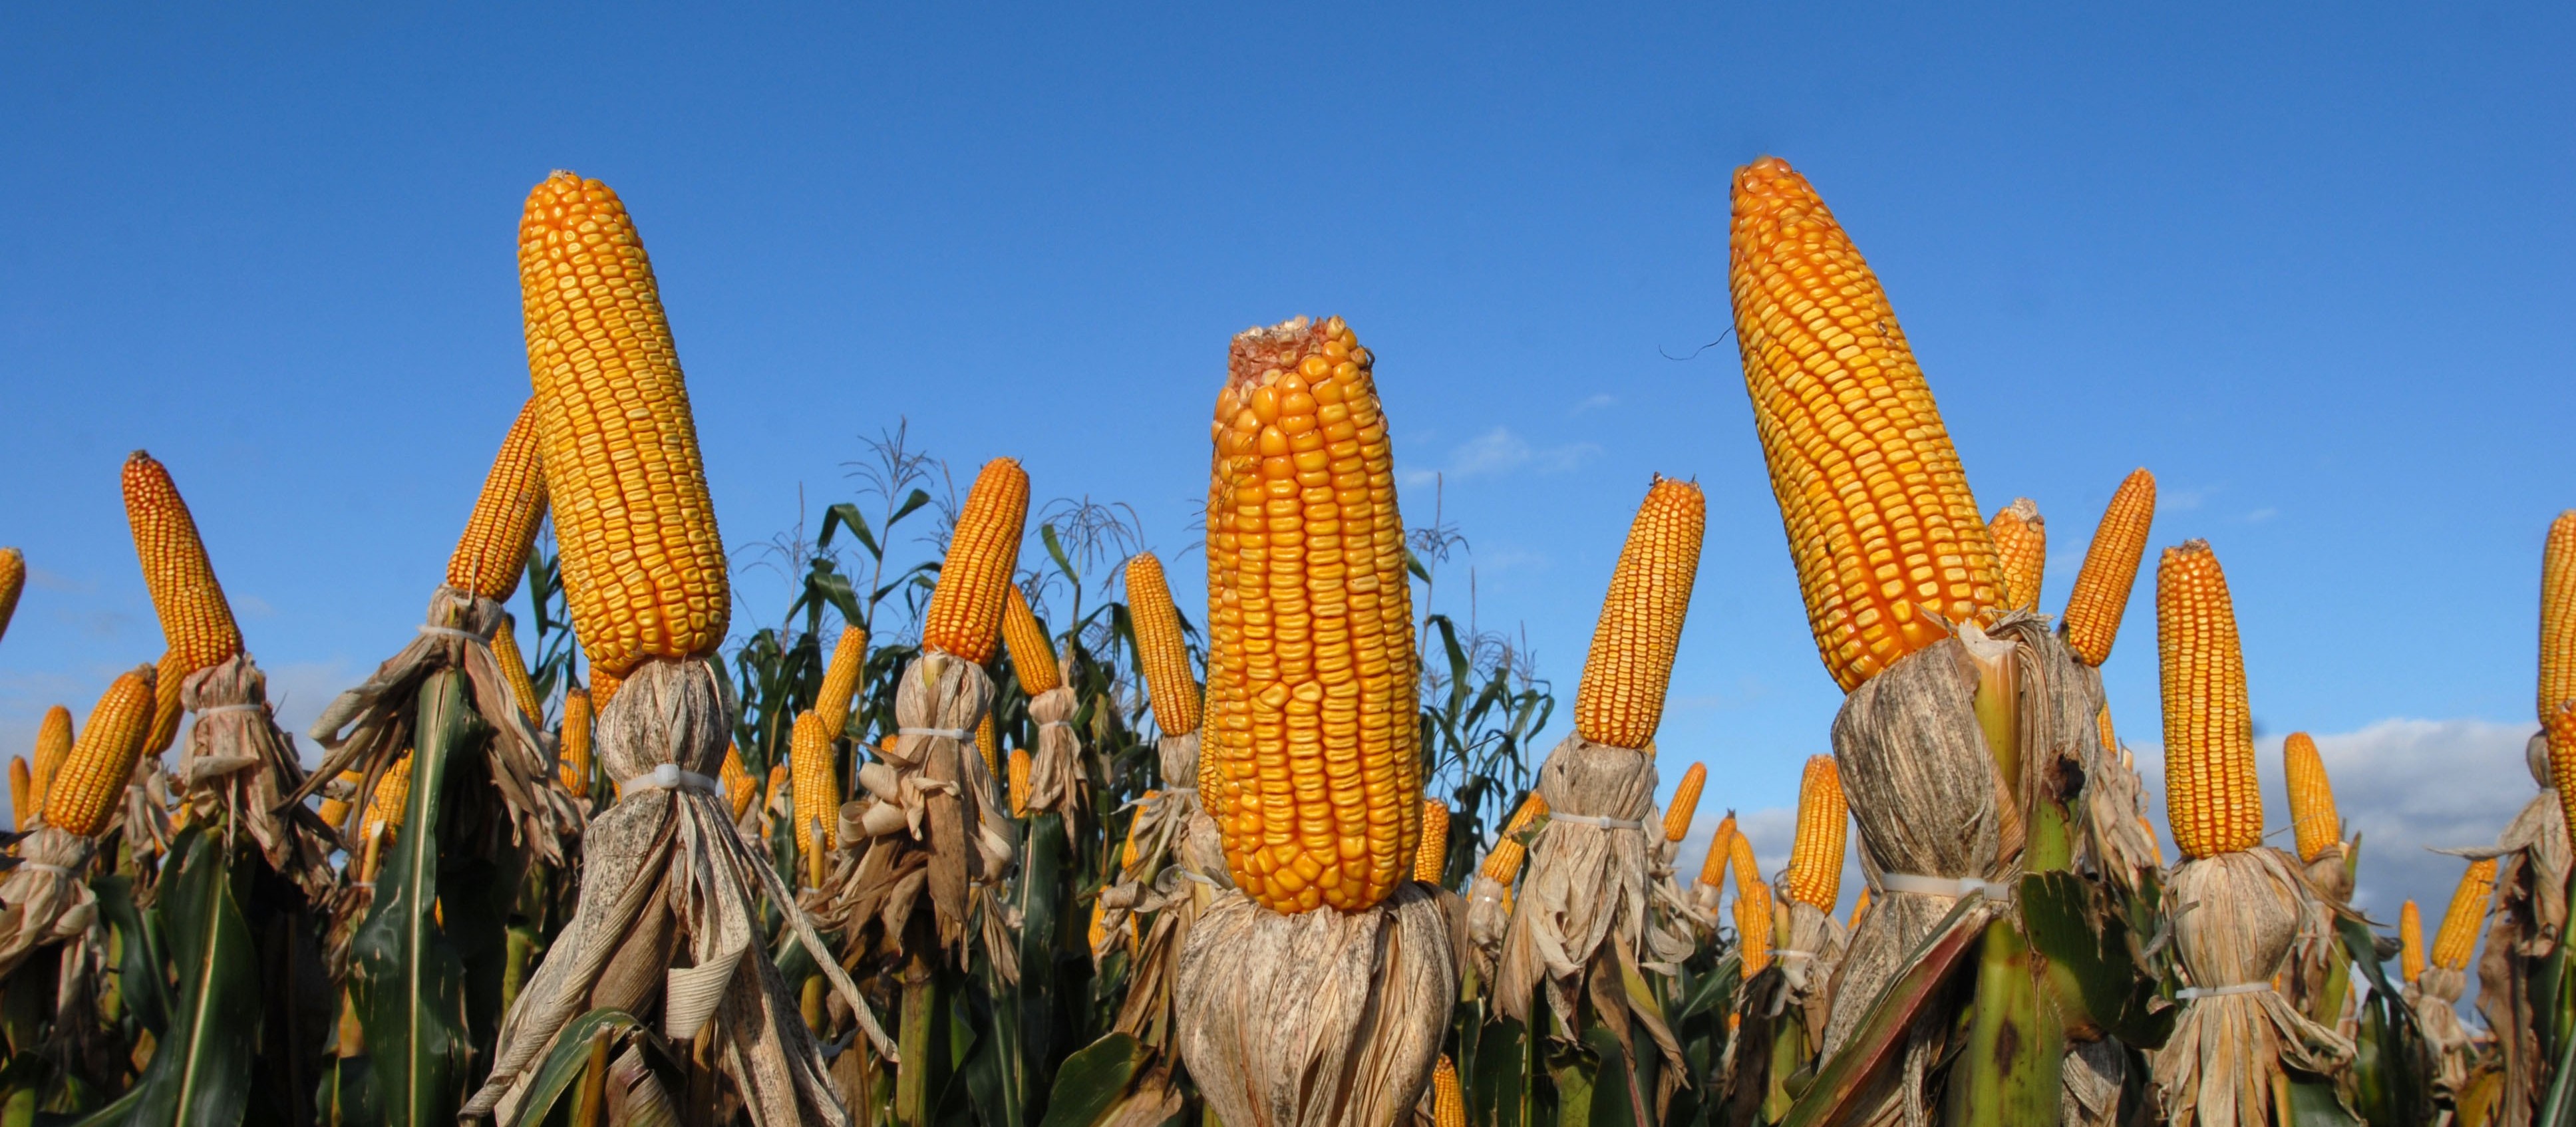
point(981, 827)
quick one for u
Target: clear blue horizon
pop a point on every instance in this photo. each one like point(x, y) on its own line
point(2300, 265)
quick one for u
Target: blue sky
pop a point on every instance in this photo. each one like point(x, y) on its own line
point(2302, 264)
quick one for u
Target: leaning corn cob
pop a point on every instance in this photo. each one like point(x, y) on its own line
point(1160, 647)
point(1712, 870)
point(392, 801)
point(1127, 848)
point(576, 741)
point(13, 580)
point(817, 793)
point(966, 606)
point(196, 623)
point(1019, 778)
point(2558, 616)
point(2410, 942)
point(2468, 913)
point(1677, 821)
point(1620, 700)
point(1432, 859)
point(2312, 807)
point(740, 788)
point(493, 553)
point(2021, 552)
point(1032, 655)
point(1816, 862)
point(53, 746)
point(2210, 791)
point(514, 669)
point(1752, 906)
point(643, 563)
point(1879, 517)
point(86, 794)
point(1860, 904)
point(841, 680)
point(1503, 865)
point(2101, 593)
point(1310, 626)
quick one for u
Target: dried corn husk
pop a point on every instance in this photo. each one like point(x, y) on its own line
point(2117, 841)
point(145, 821)
point(2531, 916)
point(1586, 883)
point(1055, 768)
point(2435, 998)
point(1810, 951)
point(44, 898)
point(239, 767)
point(1317, 1019)
point(2235, 917)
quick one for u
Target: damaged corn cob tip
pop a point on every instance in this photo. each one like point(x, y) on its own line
point(1160, 646)
point(643, 562)
point(2410, 942)
point(2467, 915)
point(966, 606)
point(1311, 669)
point(1677, 821)
point(53, 747)
point(87, 793)
point(2101, 593)
point(2211, 796)
point(816, 791)
point(576, 758)
point(841, 680)
point(2558, 616)
point(1881, 525)
point(1432, 859)
point(1032, 654)
point(2313, 819)
point(1503, 865)
point(2021, 552)
point(493, 553)
point(1620, 700)
point(1712, 869)
point(1815, 873)
point(13, 580)
point(196, 622)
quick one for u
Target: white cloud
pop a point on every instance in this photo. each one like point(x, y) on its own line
point(2260, 515)
point(1596, 402)
point(1497, 452)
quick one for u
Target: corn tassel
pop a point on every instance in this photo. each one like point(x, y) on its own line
point(2467, 915)
point(2211, 796)
point(2101, 593)
point(966, 607)
point(1815, 874)
point(1677, 821)
point(1160, 648)
point(2021, 552)
point(493, 553)
point(2313, 819)
point(90, 789)
point(1432, 859)
point(1620, 700)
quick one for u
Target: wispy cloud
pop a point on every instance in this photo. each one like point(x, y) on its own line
point(1596, 402)
point(1498, 452)
point(2185, 500)
point(2260, 515)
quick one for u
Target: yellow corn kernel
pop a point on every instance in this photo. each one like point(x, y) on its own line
point(1712, 869)
point(1311, 667)
point(1098, 934)
point(984, 549)
point(2562, 758)
point(576, 757)
point(1881, 525)
point(2312, 806)
point(2468, 914)
point(392, 801)
point(196, 623)
point(1432, 859)
point(1025, 639)
point(1620, 700)
point(2558, 616)
point(335, 812)
point(53, 746)
point(1160, 647)
point(741, 789)
point(89, 790)
point(23, 806)
point(493, 553)
point(1752, 906)
point(514, 669)
point(769, 792)
point(2410, 942)
point(1677, 820)
point(841, 680)
point(1019, 782)
point(2110, 738)
point(643, 563)
point(13, 580)
point(2021, 552)
point(603, 685)
point(989, 744)
point(817, 793)
point(1816, 861)
point(1127, 852)
point(2101, 593)
point(2211, 796)
point(1448, 1103)
point(1503, 865)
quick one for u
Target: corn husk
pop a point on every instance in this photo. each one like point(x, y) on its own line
point(2435, 1000)
point(145, 821)
point(1585, 885)
point(1317, 1019)
point(1810, 951)
point(237, 766)
point(1055, 767)
point(1158, 897)
point(44, 898)
point(2235, 917)
point(2117, 841)
point(2531, 916)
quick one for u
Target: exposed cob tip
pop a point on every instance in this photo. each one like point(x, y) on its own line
point(2468, 912)
point(1025, 640)
point(2558, 616)
point(392, 801)
point(1448, 1101)
point(2211, 796)
point(13, 580)
point(1815, 873)
point(2021, 552)
point(1677, 820)
point(86, 794)
point(493, 553)
point(2410, 942)
point(2101, 592)
point(1160, 648)
point(1432, 859)
point(1620, 700)
point(2313, 819)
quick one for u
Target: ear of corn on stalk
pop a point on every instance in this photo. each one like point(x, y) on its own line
point(2021, 552)
point(2558, 616)
point(23, 804)
point(1620, 700)
point(514, 669)
point(817, 790)
point(2313, 818)
point(1815, 874)
point(988, 743)
point(841, 680)
point(1752, 906)
point(603, 685)
point(575, 747)
point(1448, 1102)
point(2410, 942)
point(196, 623)
point(1433, 858)
point(2466, 916)
point(2211, 796)
point(966, 607)
point(493, 553)
point(335, 810)
point(13, 581)
point(392, 800)
point(1503, 865)
point(740, 788)
point(1712, 869)
point(53, 746)
point(87, 792)
point(2561, 741)
point(1160, 648)
point(1020, 764)
point(1032, 654)
point(1677, 820)
point(2101, 592)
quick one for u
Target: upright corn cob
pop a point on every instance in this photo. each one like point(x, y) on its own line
point(1878, 513)
point(2110, 737)
point(643, 563)
point(576, 741)
point(841, 680)
point(1712, 869)
point(23, 803)
point(1503, 865)
point(392, 801)
point(2410, 942)
point(1160, 647)
point(1816, 861)
point(1860, 904)
point(13, 580)
point(2211, 796)
point(740, 788)
point(1025, 640)
point(2558, 616)
point(1432, 859)
point(2021, 552)
point(1620, 700)
point(2312, 806)
point(1127, 850)
point(1752, 905)
point(989, 745)
point(88, 791)
point(1019, 778)
point(1677, 821)
point(493, 553)
point(2467, 915)
point(1448, 1102)
point(514, 669)
point(2101, 593)
point(1311, 670)
point(196, 623)
point(966, 606)
point(53, 746)
point(817, 791)
point(2562, 757)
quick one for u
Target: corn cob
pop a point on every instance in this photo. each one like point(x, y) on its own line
point(1448, 1103)
point(1098, 934)
point(1859, 904)
point(2021, 552)
point(1025, 640)
point(2101, 593)
point(989, 744)
point(514, 669)
point(1752, 905)
point(603, 685)
point(983, 550)
point(1816, 861)
point(1160, 647)
point(90, 789)
point(1677, 820)
point(13, 580)
point(2410, 942)
point(1127, 850)
point(1503, 865)
point(741, 789)
point(2562, 757)
point(817, 792)
point(643, 563)
point(392, 801)
point(1311, 669)
point(335, 811)
point(493, 553)
point(2313, 820)
point(770, 791)
point(196, 623)
point(841, 680)
point(53, 746)
point(1432, 859)
point(2110, 738)
point(23, 804)
point(1712, 869)
point(2468, 913)
point(576, 741)
point(1019, 782)
point(1879, 517)
point(2210, 792)
point(2558, 616)
point(1620, 700)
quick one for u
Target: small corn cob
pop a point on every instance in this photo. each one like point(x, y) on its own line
point(603, 685)
point(493, 553)
point(13, 580)
point(643, 563)
point(1816, 861)
point(2410, 942)
point(2468, 913)
point(53, 746)
point(196, 623)
point(841, 680)
point(576, 741)
point(2021, 552)
point(1677, 820)
point(989, 744)
point(2312, 806)
point(740, 788)
point(1127, 850)
point(1019, 782)
point(1712, 869)
point(1620, 700)
point(514, 669)
point(335, 811)
point(90, 789)
point(1025, 640)
point(1165, 655)
point(983, 550)
point(2211, 796)
point(1098, 934)
point(392, 801)
point(1448, 1103)
point(817, 791)
point(23, 804)
point(1859, 904)
point(2558, 616)
point(1880, 520)
point(2101, 593)
point(1503, 865)
point(2110, 738)
point(1311, 671)
point(1433, 858)
point(1752, 905)
point(769, 792)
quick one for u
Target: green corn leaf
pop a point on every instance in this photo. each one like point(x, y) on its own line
point(569, 1056)
point(1879, 1040)
point(139, 985)
point(407, 977)
point(200, 1070)
point(1088, 1086)
point(2016, 1047)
